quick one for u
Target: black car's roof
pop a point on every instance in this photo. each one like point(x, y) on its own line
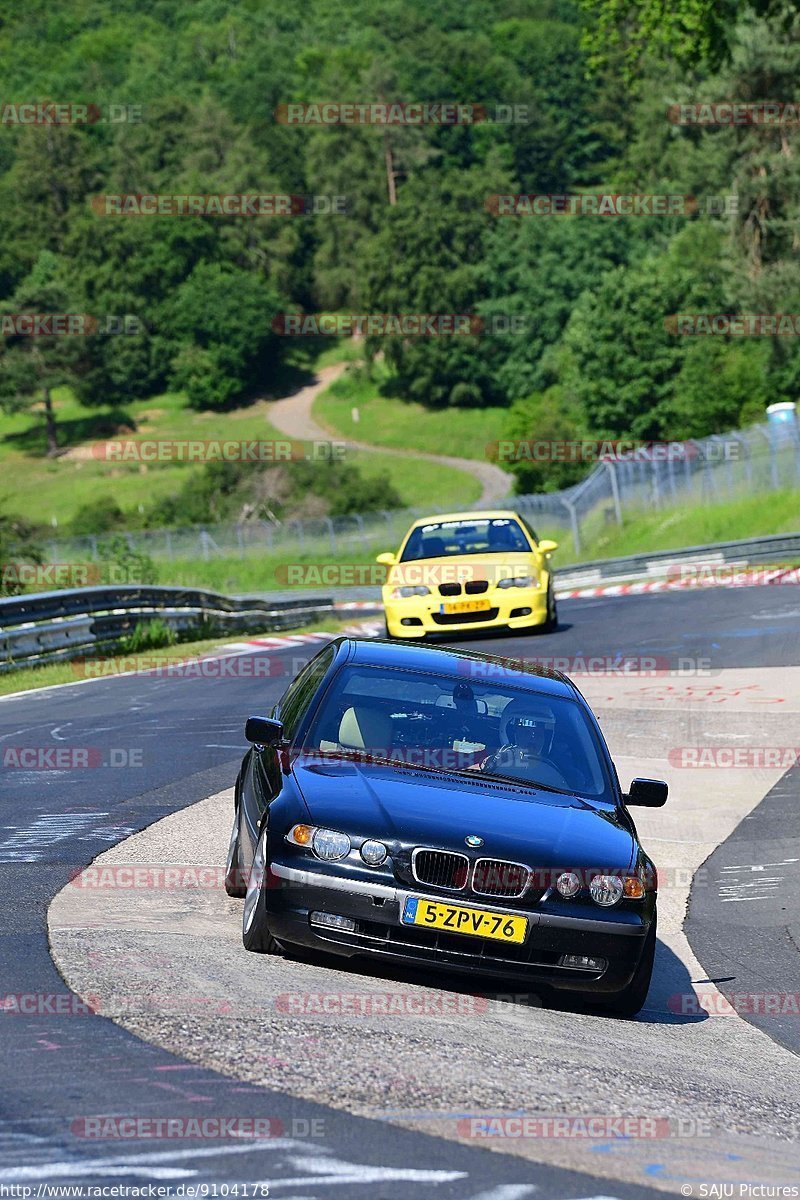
point(445, 660)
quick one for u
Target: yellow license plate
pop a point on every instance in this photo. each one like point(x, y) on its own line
point(474, 922)
point(466, 606)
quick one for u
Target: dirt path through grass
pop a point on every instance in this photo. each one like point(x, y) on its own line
point(293, 416)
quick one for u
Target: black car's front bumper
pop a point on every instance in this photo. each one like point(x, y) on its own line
point(295, 893)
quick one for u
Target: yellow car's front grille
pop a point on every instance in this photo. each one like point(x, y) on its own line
point(474, 587)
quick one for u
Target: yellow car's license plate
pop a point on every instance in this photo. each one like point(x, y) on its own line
point(458, 606)
point(475, 922)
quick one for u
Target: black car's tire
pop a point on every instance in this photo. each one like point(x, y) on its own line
point(552, 610)
point(630, 1000)
point(234, 878)
point(255, 934)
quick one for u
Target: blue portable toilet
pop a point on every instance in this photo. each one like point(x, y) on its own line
point(782, 417)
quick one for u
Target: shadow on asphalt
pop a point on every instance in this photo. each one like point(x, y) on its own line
point(670, 1001)
point(537, 634)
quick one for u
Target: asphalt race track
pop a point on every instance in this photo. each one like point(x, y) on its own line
point(757, 871)
point(178, 741)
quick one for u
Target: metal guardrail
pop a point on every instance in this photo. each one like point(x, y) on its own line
point(656, 564)
point(774, 548)
point(55, 626)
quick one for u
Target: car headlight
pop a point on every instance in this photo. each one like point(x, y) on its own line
point(373, 853)
point(523, 581)
point(568, 884)
point(326, 844)
point(606, 889)
point(403, 593)
point(329, 845)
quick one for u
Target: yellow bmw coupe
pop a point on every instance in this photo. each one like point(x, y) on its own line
point(467, 571)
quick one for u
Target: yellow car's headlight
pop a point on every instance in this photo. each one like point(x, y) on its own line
point(403, 593)
point(522, 581)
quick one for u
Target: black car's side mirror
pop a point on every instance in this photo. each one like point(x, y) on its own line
point(263, 731)
point(649, 793)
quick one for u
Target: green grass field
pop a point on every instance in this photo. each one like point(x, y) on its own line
point(50, 491)
point(674, 528)
point(667, 529)
point(43, 489)
point(403, 425)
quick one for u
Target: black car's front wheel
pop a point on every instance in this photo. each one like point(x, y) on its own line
point(630, 1000)
point(234, 879)
point(255, 935)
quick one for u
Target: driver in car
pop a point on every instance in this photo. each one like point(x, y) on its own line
point(527, 728)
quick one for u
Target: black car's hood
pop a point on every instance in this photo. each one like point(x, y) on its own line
point(543, 829)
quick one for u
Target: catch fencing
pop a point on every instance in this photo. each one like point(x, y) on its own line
point(669, 475)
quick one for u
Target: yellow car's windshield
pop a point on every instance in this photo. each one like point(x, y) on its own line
point(485, 535)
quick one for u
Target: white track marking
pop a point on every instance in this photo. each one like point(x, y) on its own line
point(30, 845)
point(161, 1165)
point(512, 1191)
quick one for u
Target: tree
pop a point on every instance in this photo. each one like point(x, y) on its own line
point(19, 543)
point(623, 361)
point(534, 270)
point(723, 384)
point(544, 426)
point(430, 265)
point(223, 318)
point(33, 363)
point(686, 31)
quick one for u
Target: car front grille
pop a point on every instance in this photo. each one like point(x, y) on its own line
point(494, 877)
point(463, 618)
point(473, 587)
point(486, 877)
point(440, 868)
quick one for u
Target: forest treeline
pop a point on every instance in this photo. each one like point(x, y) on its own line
point(576, 338)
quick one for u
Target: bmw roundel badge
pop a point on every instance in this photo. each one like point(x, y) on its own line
point(473, 840)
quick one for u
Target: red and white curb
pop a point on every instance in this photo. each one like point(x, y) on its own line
point(718, 575)
point(711, 577)
point(281, 641)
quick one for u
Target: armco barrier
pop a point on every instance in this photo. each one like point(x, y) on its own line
point(774, 548)
point(780, 548)
point(53, 626)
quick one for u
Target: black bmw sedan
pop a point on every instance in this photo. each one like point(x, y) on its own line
point(444, 808)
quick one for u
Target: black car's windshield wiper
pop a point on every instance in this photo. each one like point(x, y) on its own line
point(532, 783)
point(369, 757)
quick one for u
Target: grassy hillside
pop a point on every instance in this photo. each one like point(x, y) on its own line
point(51, 490)
point(404, 424)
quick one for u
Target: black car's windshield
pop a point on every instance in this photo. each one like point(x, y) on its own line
point(473, 723)
point(445, 539)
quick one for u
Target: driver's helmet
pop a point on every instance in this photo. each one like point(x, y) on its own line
point(528, 724)
point(501, 537)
